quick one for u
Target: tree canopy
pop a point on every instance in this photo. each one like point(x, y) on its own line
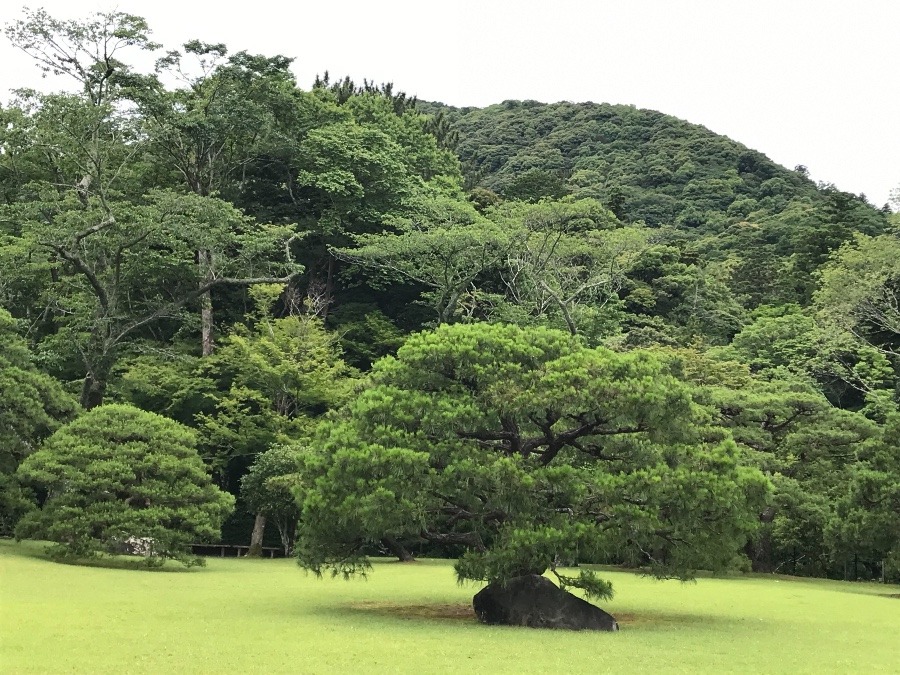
point(526, 450)
point(582, 330)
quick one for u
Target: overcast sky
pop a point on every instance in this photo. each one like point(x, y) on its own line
point(813, 82)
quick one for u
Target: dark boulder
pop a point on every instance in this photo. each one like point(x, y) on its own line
point(537, 602)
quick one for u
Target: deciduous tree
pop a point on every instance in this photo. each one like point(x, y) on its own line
point(32, 406)
point(268, 490)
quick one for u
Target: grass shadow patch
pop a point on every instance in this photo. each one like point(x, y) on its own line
point(462, 612)
point(41, 550)
point(135, 564)
point(636, 619)
point(443, 611)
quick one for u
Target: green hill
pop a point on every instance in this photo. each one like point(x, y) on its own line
point(717, 198)
point(651, 166)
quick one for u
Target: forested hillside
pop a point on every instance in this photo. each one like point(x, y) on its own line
point(620, 320)
point(664, 172)
point(649, 166)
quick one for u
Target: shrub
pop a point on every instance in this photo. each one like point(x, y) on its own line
point(118, 473)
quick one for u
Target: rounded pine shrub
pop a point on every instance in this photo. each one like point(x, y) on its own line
point(118, 473)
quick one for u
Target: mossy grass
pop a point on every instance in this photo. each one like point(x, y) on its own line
point(265, 615)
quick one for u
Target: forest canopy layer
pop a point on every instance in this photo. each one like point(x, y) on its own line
point(525, 335)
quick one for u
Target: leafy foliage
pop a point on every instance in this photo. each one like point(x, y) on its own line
point(270, 383)
point(650, 166)
point(268, 488)
point(730, 296)
point(32, 405)
point(867, 522)
point(118, 473)
point(526, 449)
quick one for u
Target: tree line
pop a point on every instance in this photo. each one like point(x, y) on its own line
point(525, 336)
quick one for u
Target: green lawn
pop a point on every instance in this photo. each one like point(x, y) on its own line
point(250, 616)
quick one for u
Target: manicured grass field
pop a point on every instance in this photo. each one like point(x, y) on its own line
point(250, 616)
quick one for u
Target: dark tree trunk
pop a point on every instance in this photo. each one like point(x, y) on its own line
point(92, 391)
point(256, 537)
point(760, 553)
point(398, 549)
point(760, 550)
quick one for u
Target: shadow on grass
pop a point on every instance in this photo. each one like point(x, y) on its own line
point(447, 611)
point(38, 550)
point(463, 613)
point(124, 563)
point(641, 620)
point(460, 614)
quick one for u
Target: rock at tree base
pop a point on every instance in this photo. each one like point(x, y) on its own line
point(537, 602)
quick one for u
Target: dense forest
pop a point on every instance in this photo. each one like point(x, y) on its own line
point(522, 335)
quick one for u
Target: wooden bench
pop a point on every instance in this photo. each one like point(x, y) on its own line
point(234, 551)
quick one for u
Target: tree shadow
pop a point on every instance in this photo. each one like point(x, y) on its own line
point(39, 550)
point(135, 564)
point(444, 611)
point(463, 613)
point(661, 619)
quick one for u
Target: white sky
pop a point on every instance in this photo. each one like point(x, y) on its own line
point(814, 82)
